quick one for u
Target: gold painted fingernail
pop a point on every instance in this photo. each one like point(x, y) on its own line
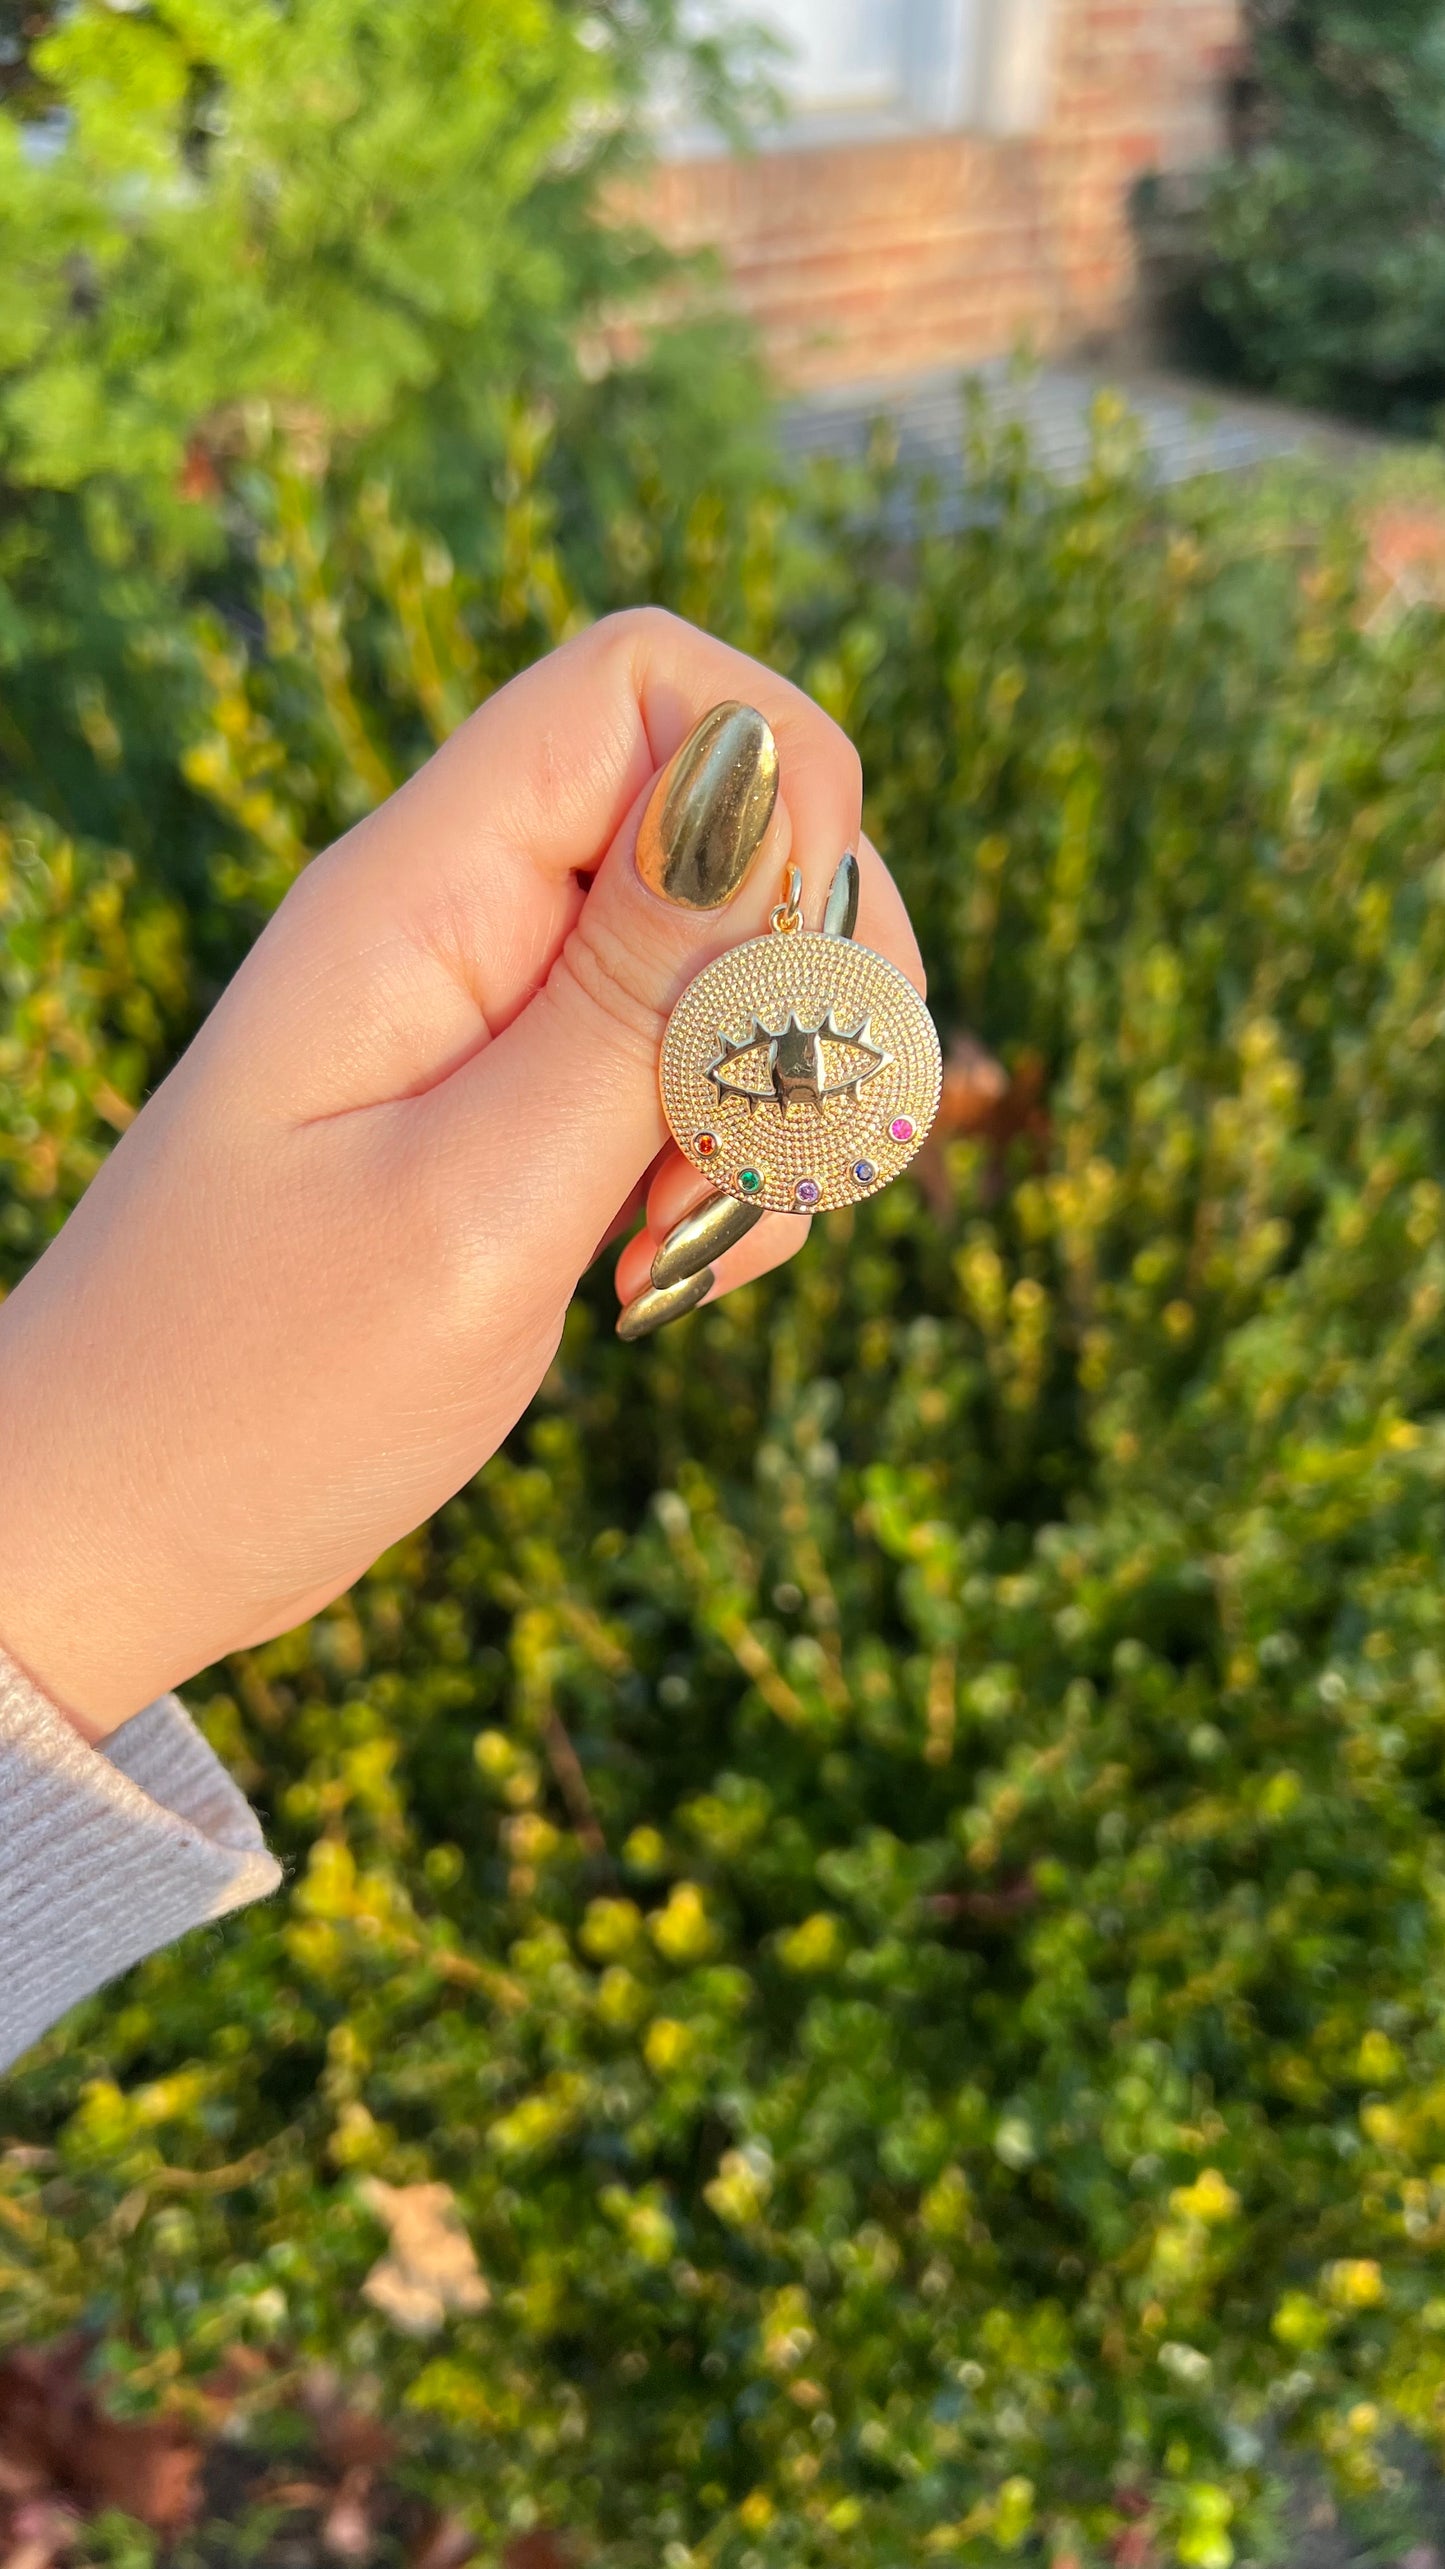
point(710, 809)
point(840, 910)
point(702, 1236)
point(653, 1309)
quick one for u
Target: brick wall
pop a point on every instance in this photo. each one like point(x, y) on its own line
point(865, 261)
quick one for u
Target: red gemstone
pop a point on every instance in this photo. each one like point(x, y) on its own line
point(704, 1144)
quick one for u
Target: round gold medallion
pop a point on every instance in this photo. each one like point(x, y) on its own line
point(800, 1071)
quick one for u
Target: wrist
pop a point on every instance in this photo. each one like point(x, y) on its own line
point(76, 1599)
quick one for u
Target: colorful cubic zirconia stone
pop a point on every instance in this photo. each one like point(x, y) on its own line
point(902, 1128)
point(807, 1190)
point(704, 1144)
point(864, 1172)
point(749, 1180)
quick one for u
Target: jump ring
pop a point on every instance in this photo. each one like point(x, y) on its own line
point(787, 918)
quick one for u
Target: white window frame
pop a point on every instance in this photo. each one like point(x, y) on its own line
point(984, 66)
point(1018, 85)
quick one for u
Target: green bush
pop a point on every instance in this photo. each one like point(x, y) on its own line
point(1318, 270)
point(378, 233)
point(891, 1849)
point(95, 983)
point(381, 220)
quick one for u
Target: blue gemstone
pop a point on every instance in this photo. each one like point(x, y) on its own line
point(864, 1172)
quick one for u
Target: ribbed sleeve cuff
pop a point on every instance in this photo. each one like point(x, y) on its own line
point(107, 1852)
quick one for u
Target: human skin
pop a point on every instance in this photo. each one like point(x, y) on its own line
point(326, 1269)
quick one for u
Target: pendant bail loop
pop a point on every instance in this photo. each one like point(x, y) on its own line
point(787, 918)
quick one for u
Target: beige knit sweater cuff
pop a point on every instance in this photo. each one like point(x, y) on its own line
point(108, 1852)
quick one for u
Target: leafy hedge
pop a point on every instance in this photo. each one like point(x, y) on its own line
point(891, 1850)
point(1313, 260)
point(385, 232)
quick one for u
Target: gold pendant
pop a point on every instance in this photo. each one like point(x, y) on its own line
point(801, 1071)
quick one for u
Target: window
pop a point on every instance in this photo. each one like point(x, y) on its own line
point(846, 56)
point(870, 67)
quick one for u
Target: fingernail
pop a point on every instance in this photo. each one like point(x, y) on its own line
point(840, 910)
point(710, 809)
point(653, 1309)
point(702, 1236)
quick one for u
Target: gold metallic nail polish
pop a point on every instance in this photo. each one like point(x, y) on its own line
point(702, 1236)
point(840, 910)
point(651, 1310)
point(710, 809)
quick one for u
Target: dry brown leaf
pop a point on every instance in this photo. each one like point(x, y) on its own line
point(348, 2531)
point(539, 2550)
point(1133, 2548)
point(1404, 561)
point(348, 2436)
point(442, 2542)
point(56, 2442)
point(998, 1907)
point(974, 1087)
point(980, 1099)
point(38, 2534)
point(431, 2269)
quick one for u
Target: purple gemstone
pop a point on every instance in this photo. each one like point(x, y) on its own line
point(807, 1190)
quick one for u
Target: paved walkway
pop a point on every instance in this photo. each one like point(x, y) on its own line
point(1189, 428)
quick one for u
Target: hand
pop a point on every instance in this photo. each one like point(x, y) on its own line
point(328, 1266)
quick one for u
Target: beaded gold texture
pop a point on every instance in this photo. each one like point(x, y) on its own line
point(777, 1120)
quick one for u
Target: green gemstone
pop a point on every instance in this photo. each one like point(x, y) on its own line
point(749, 1180)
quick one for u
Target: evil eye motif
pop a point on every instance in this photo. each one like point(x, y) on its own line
point(798, 1065)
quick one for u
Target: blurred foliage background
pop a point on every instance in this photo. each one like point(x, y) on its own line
point(369, 234)
point(1310, 260)
point(888, 1858)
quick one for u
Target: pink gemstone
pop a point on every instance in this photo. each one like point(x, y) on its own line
point(901, 1129)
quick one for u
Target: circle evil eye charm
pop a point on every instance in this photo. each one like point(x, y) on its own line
point(800, 1071)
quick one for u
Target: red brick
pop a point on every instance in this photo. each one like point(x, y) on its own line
point(875, 258)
